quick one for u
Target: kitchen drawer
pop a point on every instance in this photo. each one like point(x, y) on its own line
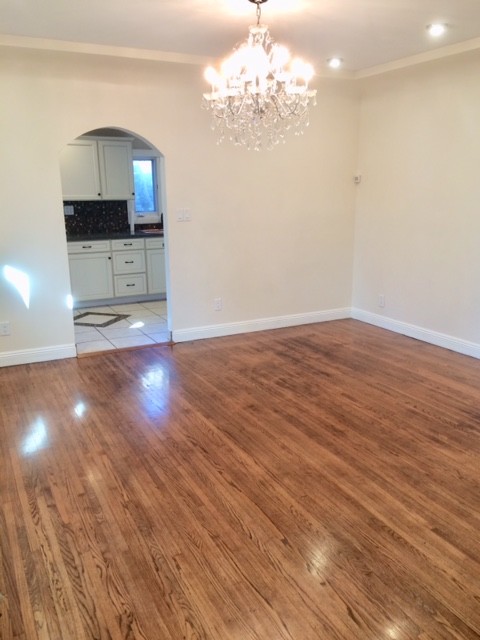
point(130, 285)
point(128, 244)
point(128, 261)
point(88, 246)
point(155, 243)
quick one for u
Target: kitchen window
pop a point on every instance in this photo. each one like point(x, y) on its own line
point(146, 178)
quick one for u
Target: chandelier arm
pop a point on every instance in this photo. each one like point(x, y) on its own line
point(227, 110)
point(235, 112)
point(284, 111)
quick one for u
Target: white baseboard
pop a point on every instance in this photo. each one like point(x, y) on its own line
point(27, 356)
point(58, 352)
point(260, 324)
point(413, 331)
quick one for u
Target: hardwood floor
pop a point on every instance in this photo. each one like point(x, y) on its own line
point(314, 483)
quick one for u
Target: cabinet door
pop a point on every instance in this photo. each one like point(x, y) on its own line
point(91, 276)
point(116, 169)
point(156, 271)
point(79, 171)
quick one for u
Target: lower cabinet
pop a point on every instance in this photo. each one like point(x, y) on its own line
point(156, 265)
point(129, 267)
point(91, 276)
point(103, 269)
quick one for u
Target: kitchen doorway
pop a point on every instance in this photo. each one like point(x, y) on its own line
point(114, 210)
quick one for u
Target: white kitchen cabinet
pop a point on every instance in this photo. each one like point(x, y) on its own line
point(97, 169)
point(129, 267)
point(109, 269)
point(116, 169)
point(91, 275)
point(156, 277)
point(79, 171)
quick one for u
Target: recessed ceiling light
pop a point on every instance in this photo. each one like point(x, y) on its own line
point(436, 29)
point(335, 63)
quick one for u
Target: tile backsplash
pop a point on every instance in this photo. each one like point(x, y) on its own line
point(96, 217)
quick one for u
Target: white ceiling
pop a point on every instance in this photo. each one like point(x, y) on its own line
point(365, 33)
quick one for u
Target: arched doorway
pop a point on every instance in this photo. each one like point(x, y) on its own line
point(115, 224)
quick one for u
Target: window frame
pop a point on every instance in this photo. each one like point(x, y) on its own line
point(157, 164)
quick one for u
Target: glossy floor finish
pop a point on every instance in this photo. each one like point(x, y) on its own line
point(145, 324)
point(314, 483)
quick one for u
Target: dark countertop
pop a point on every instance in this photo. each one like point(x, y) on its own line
point(114, 236)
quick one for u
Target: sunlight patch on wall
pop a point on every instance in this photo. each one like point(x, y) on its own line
point(20, 281)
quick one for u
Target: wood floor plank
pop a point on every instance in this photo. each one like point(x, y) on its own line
point(313, 483)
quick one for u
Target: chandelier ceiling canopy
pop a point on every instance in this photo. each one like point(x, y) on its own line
point(260, 92)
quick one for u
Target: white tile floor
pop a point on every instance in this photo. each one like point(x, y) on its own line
point(146, 324)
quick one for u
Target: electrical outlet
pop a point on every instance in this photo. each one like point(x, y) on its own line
point(381, 300)
point(217, 304)
point(4, 328)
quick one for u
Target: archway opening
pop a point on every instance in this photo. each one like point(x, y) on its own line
point(113, 184)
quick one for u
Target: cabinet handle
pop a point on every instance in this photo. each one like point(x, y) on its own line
point(86, 246)
point(99, 194)
point(128, 261)
point(127, 244)
point(130, 285)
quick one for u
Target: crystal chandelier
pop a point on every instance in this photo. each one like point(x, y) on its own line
point(259, 93)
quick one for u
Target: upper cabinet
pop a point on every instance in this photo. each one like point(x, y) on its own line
point(97, 169)
point(116, 169)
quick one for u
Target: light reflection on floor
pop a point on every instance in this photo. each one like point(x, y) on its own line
point(156, 395)
point(36, 438)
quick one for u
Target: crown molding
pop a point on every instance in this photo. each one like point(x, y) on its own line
point(66, 46)
point(428, 56)
point(26, 42)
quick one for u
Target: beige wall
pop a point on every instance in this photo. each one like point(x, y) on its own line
point(271, 232)
point(417, 234)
